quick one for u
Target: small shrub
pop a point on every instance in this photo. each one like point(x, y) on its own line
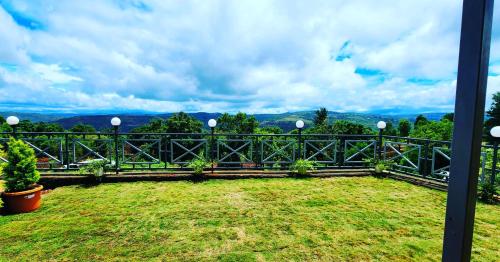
point(198, 165)
point(95, 168)
point(487, 193)
point(379, 165)
point(20, 171)
point(301, 166)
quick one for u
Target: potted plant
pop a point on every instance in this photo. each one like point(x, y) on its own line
point(94, 170)
point(198, 165)
point(380, 165)
point(302, 167)
point(22, 194)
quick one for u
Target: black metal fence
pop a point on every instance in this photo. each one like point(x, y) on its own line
point(65, 151)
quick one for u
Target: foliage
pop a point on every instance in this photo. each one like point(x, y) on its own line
point(346, 127)
point(436, 130)
point(420, 120)
point(448, 116)
point(83, 128)
point(404, 127)
point(94, 168)
point(301, 166)
point(183, 123)
point(240, 123)
point(20, 171)
point(487, 192)
point(269, 130)
point(321, 117)
point(380, 165)
point(198, 165)
point(493, 115)
point(390, 130)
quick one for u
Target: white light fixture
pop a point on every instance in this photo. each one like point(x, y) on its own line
point(299, 124)
point(115, 121)
point(212, 123)
point(381, 125)
point(495, 131)
point(12, 120)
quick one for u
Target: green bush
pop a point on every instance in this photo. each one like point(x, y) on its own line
point(198, 165)
point(379, 165)
point(95, 168)
point(20, 171)
point(487, 193)
point(301, 166)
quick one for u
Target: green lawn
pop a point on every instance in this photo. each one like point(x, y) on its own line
point(354, 219)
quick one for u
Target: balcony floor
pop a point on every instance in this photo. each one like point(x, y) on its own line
point(339, 218)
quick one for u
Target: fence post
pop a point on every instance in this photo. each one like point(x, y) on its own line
point(66, 150)
point(165, 153)
point(494, 166)
point(341, 152)
point(426, 159)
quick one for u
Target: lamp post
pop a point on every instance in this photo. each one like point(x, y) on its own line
point(13, 121)
point(115, 122)
point(300, 124)
point(381, 126)
point(495, 133)
point(212, 123)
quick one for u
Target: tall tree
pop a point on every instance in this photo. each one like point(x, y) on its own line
point(240, 123)
point(390, 130)
point(350, 128)
point(83, 128)
point(183, 123)
point(420, 120)
point(404, 127)
point(321, 117)
point(493, 114)
point(448, 116)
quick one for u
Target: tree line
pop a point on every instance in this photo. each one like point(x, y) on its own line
point(242, 123)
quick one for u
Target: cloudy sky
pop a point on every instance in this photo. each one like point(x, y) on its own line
point(214, 56)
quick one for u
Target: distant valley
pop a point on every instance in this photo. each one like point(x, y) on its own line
point(285, 120)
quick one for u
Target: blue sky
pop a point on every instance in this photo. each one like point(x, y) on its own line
point(217, 56)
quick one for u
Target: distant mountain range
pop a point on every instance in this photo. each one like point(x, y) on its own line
point(284, 120)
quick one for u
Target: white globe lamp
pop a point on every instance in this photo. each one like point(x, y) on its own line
point(299, 124)
point(12, 120)
point(212, 123)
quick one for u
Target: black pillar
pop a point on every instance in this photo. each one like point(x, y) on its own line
point(380, 130)
point(467, 133)
point(14, 131)
point(117, 168)
point(212, 147)
point(300, 143)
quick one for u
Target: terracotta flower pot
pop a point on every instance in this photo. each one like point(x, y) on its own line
point(23, 201)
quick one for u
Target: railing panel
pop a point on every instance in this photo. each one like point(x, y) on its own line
point(234, 151)
point(405, 155)
point(184, 150)
point(141, 151)
point(356, 152)
point(278, 151)
point(321, 151)
point(85, 150)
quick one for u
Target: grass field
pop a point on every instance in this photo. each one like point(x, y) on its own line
point(354, 219)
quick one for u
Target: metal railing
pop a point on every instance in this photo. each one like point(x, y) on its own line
point(63, 151)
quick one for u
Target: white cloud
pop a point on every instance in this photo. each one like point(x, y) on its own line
point(255, 56)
